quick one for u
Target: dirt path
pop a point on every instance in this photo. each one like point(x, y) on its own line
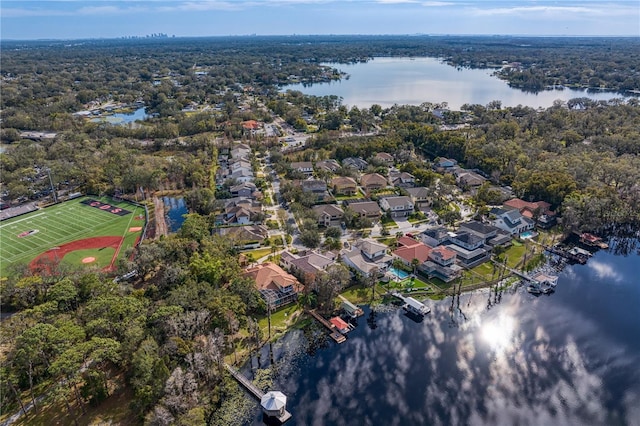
point(161, 223)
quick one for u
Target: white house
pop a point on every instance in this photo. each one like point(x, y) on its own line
point(512, 221)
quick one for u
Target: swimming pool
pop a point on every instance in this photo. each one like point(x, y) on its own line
point(528, 234)
point(399, 273)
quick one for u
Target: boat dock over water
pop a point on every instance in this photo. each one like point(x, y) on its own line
point(411, 305)
point(571, 255)
point(281, 414)
point(335, 335)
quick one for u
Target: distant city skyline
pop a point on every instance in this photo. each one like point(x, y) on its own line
point(78, 19)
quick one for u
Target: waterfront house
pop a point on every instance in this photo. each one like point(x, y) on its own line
point(492, 235)
point(511, 221)
point(540, 211)
point(397, 206)
point(367, 256)
point(470, 249)
point(411, 249)
point(306, 264)
point(277, 287)
point(442, 264)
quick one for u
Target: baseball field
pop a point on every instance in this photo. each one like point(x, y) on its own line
point(93, 231)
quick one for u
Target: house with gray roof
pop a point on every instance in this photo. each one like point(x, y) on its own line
point(397, 206)
point(435, 236)
point(369, 209)
point(328, 165)
point(355, 163)
point(470, 249)
point(366, 257)
point(328, 214)
point(306, 263)
point(421, 197)
point(305, 167)
point(511, 221)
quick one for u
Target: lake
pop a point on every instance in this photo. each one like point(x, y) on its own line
point(122, 118)
point(412, 81)
point(568, 358)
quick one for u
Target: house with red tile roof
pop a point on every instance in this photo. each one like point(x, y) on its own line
point(277, 286)
point(539, 210)
point(442, 264)
point(407, 253)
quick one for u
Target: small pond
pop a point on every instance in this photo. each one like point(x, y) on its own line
point(122, 118)
point(175, 209)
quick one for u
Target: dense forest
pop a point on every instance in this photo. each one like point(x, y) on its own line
point(79, 338)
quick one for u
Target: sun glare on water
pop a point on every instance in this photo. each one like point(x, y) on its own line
point(498, 333)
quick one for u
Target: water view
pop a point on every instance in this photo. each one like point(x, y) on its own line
point(389, 81)
point(175, 208)
point(568, 358)
point(124, 118)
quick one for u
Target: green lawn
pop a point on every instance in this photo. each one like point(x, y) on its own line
point(102, 257)
point(66, 222)
point(388, 222)
point(280, 319)
point(258, 253)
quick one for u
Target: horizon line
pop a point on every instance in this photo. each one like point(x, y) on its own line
point(173, 36)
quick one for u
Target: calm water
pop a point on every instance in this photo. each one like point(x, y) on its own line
point(570, 358)
point(139, 114)
point(176, 208)
point(388, 81)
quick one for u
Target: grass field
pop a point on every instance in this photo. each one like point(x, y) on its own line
point(67, 222)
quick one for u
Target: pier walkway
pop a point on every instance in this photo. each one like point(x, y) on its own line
point(248, 384)
point(339, 338)
point(253, 389)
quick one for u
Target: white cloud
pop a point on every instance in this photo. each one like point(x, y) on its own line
point(604, 271)
point(560, 11)
point(437, 3)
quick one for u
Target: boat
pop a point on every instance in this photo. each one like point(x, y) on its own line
point(534, 289)
point(546, 288)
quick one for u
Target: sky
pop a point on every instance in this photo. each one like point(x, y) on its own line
point(77, 19)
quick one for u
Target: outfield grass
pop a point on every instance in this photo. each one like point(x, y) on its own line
point(102, 257)
point(63, 223)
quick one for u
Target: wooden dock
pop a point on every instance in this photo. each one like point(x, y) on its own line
point(253, 389)
point(339, 338)
point(564, 253)
point(248, 384)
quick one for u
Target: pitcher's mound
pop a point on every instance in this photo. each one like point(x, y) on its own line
point(88, 260)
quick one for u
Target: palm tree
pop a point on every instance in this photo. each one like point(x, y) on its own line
point(414, 263)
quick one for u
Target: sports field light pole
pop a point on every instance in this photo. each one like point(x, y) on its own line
point(53, 190)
